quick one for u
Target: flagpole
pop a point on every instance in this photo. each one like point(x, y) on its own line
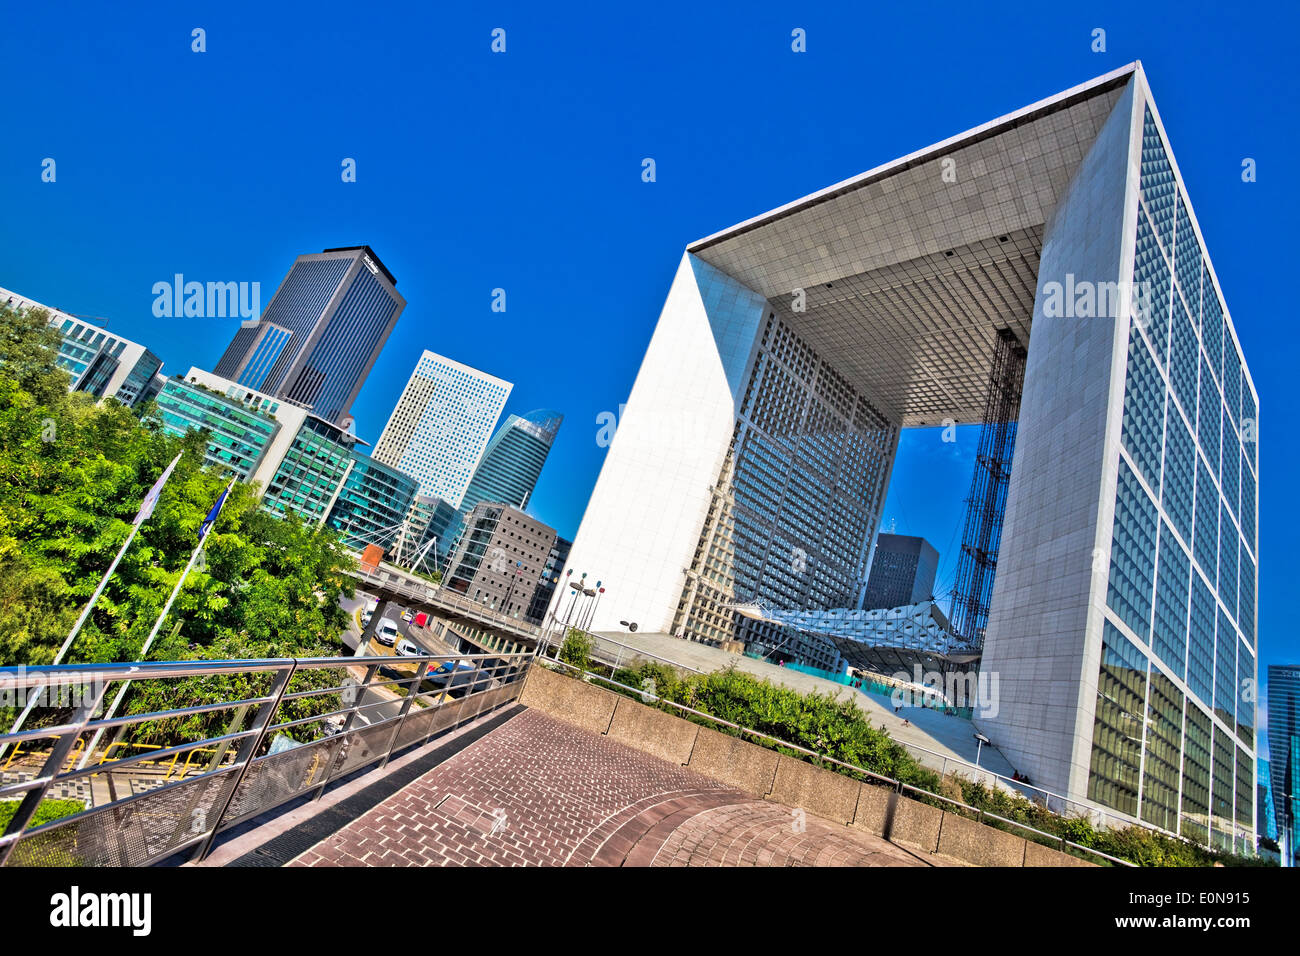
point(58, 658)
point(157, 625)
point(146, 510)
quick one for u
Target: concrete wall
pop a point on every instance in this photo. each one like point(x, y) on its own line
point(643, 519)
point(872, 807)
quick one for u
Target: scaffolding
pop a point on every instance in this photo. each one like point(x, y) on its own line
point(986, 505)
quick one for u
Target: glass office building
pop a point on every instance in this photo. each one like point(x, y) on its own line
point(1284, 756)
point(311, 474)
point(1174, 731)
point(552, 573)
point(902, 571)
point(441, 425)
point(372, 503)
point(321, 333)
point(98, 361)
point(754, 453)
point(239, 431)
point(512, 462)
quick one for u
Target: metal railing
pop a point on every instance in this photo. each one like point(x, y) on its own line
point(297, 732)
point(979, 814)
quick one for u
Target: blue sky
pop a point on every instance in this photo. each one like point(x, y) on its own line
point(522, 171)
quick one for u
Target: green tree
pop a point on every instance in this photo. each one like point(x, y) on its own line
point(73, 471)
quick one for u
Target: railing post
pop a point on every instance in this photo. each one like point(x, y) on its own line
point(406, 708)
point(249, 751)
point(347, 725)
point(50, 769)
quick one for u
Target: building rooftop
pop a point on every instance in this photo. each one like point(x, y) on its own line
point(910, 268)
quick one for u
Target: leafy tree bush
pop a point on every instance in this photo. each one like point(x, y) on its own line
point(576, 649)
point(73, 471)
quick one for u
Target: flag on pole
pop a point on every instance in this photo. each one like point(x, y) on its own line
point(211, 519)
point(151, 499)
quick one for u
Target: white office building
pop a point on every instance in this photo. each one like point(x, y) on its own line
point(99, 362)
point(753, 456)
point(441, 425)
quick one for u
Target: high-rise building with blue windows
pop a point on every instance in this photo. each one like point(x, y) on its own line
point(511, 463)
point(1284, 757)
point(372, 503)
point(751, 461)
point(513, 460)
point(318, 338)
point(903, 567)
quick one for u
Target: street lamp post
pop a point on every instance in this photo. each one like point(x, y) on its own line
point(591, 615)
point(585, 612)
point(578, 588)
point(555, 612)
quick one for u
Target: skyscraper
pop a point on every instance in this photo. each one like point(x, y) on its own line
point(511, 463)
point(441, 425)
point(1284, 756)
point(902, 571)
point(513, 460)
point(752, 458)
point(319, 337)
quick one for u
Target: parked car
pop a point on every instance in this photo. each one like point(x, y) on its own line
point(452, 674)
point(407, 615)
point(366, 615)
point(387, 633)
point(409, 648)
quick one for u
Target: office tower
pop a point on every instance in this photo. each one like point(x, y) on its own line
point(321, 333)
point(99, 362)
point(441, 425)
point(513, 460)
point(241, 425)
point(902, 571)
point(753, 455)
point(371, 504)
point(1284, 756)
point(511, 463)
point(552, 573)
point(500, 557)
point(1265, 818)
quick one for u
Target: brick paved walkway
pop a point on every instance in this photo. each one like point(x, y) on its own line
point(540, 792)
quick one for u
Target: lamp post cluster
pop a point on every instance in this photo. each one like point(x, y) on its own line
point(582, 606)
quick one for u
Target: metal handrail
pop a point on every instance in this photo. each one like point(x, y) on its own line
point(492, 672)
point(896, 784)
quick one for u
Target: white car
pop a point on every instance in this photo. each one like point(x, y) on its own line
point(409, 648)
point(386, 633)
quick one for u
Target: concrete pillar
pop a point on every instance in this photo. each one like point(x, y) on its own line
point(369, 630)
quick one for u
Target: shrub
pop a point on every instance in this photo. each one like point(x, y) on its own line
point(576, 649)
point(841, 730)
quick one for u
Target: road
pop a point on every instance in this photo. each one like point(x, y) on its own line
point(422, 637)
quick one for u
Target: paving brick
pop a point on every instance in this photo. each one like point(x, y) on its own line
point(538, 791)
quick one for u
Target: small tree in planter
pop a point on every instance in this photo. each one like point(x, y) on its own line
point(576, 649)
